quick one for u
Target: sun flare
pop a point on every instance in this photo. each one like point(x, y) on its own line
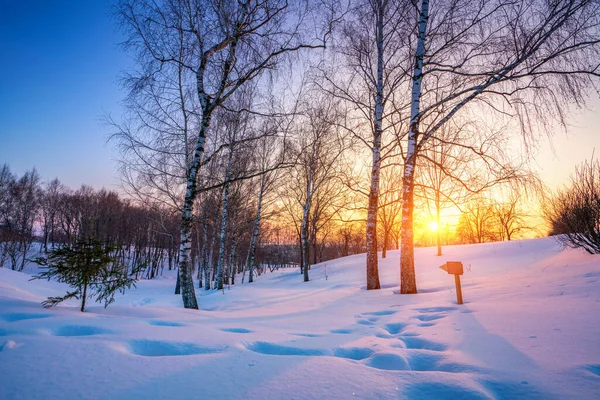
point(433, 226)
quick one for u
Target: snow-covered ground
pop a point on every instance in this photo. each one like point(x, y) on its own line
point(529, 329)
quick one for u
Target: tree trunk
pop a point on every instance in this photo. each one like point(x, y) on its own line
point(386, 236)
point(371, 228)
point(204, 251)
point(304, 240)
point(314, 246)
point(209, 261)
point(221, 258)
point(232, 268)
point(256, 230)
point(408, 283)
point(188, 294)
point(178, 284)
point(84, 296)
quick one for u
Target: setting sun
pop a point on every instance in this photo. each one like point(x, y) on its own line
point(433, 226)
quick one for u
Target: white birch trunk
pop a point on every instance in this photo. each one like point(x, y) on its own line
point(408, 283)
point(221, 257)
point(304, 237)
point(256, 230)
point(371, 228)
point(188, 294)
point(304, 224)
point(209, 261)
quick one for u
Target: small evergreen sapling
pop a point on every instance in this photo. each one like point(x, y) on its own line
point(87, 266)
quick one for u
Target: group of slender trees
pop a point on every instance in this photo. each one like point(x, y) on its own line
point(361, 110)
point(37, 217)
point(48, 214)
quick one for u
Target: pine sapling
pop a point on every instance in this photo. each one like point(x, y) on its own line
point(88, 267)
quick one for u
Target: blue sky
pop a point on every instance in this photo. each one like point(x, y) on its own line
point(59, 75)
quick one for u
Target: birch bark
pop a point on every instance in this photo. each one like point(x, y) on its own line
point(223, 234)
point(371, 227)
point(256, 229)
point(408, 283)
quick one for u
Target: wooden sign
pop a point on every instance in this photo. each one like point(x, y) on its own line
point(455, 268)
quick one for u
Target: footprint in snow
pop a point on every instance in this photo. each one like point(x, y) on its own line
point(305, 334)
point(429, 317)
point(594, 369)
point(160, 348)
point(353, 353)
point(274, 349)
point(164, 323)
point(380, 313)
point(280, 350)
point(395, 328)
point(13, 317)
point(429, 314)
point(388, 362)
point(413, 342)
point(341, 331)
point(424, 361)
point(365, 322)
point(428, 310)
point(384, 335)
point(236, 330)
point(79, 330)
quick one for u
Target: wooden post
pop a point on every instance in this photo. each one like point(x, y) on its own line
point(458, 289)
point(455, 268)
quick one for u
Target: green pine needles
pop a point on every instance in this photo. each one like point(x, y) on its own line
point(88, 267)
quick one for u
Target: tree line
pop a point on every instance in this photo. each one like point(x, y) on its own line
point(37, 217)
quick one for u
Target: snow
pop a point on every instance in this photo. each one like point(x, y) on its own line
point(529, 329)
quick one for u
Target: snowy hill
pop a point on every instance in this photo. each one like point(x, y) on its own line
point(529, 328)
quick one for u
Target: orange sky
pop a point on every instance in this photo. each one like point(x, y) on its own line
point(572, 148)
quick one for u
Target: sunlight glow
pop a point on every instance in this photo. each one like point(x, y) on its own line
point(433, 226)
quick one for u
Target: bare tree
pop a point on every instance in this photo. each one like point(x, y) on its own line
point(227, 44)
point(477, 223)
point(506, 57)
point(49, 209)
point(511, 216)
point(19, 205)
point(318, 150)
point(266, 149)
point(372, 47)
point(574, 211)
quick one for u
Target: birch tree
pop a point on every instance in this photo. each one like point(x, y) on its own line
point(318, 151)
point(227, 44)
point(372, 52)
point(521, 59)
point(266, 150)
